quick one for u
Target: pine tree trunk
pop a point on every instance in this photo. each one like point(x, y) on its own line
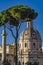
point(16, 41)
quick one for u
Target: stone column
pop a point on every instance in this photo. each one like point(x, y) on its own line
point(3, 45)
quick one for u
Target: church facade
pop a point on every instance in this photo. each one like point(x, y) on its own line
point(30, 46)
point(29, 50)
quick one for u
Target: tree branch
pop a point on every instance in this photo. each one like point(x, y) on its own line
point(11, 32)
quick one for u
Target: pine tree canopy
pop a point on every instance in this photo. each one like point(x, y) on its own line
point(16, 13)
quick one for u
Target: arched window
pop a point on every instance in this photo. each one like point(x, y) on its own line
point(25, 44)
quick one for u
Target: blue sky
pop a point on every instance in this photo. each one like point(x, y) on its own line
point(37, 5)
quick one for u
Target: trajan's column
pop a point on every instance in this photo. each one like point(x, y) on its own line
point(3, 45)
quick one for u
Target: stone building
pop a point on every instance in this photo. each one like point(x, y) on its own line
point(29, 50)
point(10, 52)
point(30, 46)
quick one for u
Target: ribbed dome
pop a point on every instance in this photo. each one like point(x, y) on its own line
point(34, 34)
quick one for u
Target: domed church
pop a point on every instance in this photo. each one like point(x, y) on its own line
point(30, 46)
point(29, 51)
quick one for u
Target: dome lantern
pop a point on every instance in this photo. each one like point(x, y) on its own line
point(29, 24)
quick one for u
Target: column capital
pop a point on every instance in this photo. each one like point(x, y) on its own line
point(4, 33)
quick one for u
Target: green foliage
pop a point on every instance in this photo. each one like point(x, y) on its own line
point(3, 18)
point(16, 13)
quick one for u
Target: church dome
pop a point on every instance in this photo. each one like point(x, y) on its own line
point(34, 34)
point(30, 39)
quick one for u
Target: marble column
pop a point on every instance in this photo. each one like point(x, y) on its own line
point(3, 45)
